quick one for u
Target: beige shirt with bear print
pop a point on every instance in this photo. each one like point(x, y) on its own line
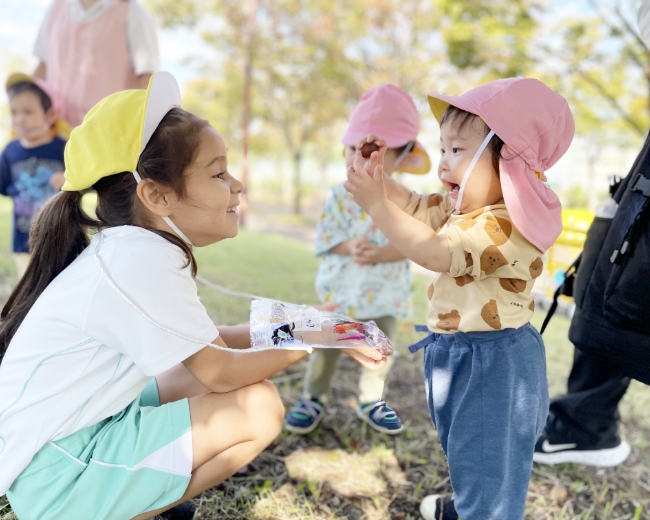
point(493, 268)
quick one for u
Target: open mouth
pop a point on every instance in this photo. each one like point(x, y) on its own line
point(232, 210)
point(453, 188)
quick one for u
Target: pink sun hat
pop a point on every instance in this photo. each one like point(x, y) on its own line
point(389, 113)
point(537, 127)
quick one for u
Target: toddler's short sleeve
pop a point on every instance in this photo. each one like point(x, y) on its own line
point(485, 244)
point(431, 209)
point(331, 229)
point(159, 320)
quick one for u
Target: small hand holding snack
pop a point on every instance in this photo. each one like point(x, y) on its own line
point(365, 177)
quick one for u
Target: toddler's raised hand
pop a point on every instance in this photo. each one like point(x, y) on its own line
point(365, 178)
point(373, 150)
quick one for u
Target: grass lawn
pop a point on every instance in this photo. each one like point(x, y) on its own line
point(345, 470)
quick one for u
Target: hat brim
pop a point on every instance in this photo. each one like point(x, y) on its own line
point(163, 94)
point(17, 77)
point(417, 162)
point(439, 103)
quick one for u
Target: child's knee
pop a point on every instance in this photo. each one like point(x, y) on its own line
point(264, 404)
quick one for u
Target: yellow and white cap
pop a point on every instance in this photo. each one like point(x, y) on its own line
point(116, 131)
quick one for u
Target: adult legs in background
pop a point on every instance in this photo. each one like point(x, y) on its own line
point(582, 425)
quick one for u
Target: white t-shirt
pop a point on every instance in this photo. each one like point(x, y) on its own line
point(142, 40)
point(83, 353)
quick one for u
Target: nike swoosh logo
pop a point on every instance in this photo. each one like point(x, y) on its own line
point(547, 447)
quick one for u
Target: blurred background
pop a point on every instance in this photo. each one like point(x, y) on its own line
point(279, 78)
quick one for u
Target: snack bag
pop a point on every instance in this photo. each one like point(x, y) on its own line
point(277, 325)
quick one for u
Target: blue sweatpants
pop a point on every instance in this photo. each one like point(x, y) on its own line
point(488, 398)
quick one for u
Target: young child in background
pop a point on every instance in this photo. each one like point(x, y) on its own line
point(360, 272)
point(31, 166)
point(485, 368)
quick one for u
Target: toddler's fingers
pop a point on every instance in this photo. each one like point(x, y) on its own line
point(379, 173)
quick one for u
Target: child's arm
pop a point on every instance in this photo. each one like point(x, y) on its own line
point(221, 371)
point(413, 238)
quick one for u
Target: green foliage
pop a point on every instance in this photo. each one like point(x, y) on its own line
point(490, 36)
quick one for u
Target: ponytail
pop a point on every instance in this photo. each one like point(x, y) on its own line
point(58, 235)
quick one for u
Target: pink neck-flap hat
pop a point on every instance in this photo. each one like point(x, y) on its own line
point(389, 113)
point(537, 127)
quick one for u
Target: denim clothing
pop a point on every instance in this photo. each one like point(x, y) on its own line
point(488, 397)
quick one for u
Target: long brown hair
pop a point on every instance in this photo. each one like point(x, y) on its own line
point(61, 229)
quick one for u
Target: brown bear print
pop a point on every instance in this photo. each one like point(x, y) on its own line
point(498, 229)
point(435, 199)
point(492, 259)
point(464, 280)
point(465, 223)
point(531, 307)
point(513, 284)
point(430, 291)
point(536, 267)
point(449, 321)
point(469, 260)
point(490, 315)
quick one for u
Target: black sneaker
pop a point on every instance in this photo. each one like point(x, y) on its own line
point(183, 511)
point(438, 507)
point(553, 448)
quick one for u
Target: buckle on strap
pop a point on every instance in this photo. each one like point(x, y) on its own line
point(642, 184)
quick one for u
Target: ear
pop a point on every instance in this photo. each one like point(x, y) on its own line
point(50, 116)
point(156, 199)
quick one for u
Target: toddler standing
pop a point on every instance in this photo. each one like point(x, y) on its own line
point(360, 272)
point(31, 166)
point(485, 368)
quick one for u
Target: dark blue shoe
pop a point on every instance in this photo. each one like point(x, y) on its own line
point(184, 511)
point(305, 415)
point(380, 417)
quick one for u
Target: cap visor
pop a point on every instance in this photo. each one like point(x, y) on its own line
point(416, 162)
point(439, 103)
point(17, 77)
point(163, 94)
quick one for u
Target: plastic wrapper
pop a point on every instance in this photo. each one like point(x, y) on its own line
point(277, 325)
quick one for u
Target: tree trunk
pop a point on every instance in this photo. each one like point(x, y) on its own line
point(249, 31)
point(297, 183)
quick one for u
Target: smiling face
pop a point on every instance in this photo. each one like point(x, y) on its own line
point(207, 212)
point(30, 121)
point(459, 143)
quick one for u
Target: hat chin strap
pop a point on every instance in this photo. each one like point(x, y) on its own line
point(402, 156)
point(167, 220)
point(477, 156)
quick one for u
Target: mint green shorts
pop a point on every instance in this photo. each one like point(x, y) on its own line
point(136, 461)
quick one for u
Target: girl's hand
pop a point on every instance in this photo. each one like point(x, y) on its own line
point(367, 187)
point(366, 357)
